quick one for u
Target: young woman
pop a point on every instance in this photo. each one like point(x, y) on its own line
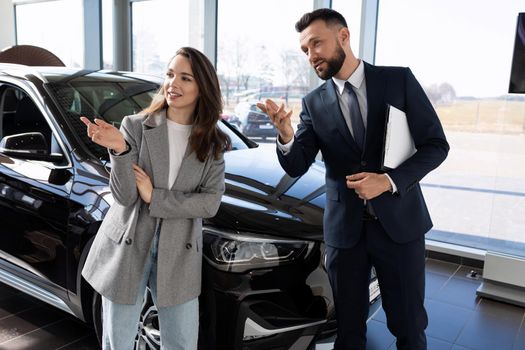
point(167, 174)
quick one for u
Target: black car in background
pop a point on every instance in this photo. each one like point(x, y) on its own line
point(253, 122)
point(264, 280)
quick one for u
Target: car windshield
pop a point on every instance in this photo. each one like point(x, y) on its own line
point(108, 97)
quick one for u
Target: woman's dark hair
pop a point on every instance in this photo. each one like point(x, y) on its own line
point(206, 137)
point(329, 16)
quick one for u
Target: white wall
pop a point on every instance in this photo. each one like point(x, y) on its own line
point(7, 24)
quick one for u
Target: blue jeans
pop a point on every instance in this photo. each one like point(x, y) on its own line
point(179, 324)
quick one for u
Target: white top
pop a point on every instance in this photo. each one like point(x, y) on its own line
point(178, 135)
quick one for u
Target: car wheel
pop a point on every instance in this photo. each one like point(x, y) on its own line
point(148, 337)
point(148, 334)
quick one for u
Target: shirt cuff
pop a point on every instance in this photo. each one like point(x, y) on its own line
point(128, 148)
point(285, 149)
point(394, 187)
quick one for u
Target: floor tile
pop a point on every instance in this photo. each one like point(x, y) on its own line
point(16, 303)
point(49, 337)
point(519, 342)
point(484, 331)
point(446, 321)
point(378, 336)
point(433, 283)
point(380, 315)
point(501, 310)
point(437, 344)
point(459, 347)
point(459, 292)
point(440, 267)
point(27, 321)
point(90, 342)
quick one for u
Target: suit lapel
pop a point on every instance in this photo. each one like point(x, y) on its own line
point(156, 137)
point(375, 90)
point(331, 103)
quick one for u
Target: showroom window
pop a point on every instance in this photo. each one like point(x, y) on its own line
point(258, 54)
point(351, 10)
point(107, 34)
point(477, 196)
point(160, 28)
point(34, 27)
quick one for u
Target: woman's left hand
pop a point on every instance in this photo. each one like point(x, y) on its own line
point(144, 185)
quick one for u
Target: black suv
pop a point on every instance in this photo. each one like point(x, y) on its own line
point(264, 281)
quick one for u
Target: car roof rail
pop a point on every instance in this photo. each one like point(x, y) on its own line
point(20, 70)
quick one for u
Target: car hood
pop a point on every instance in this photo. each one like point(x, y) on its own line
point(260, 197)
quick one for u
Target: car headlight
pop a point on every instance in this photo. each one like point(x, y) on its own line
point(239, 252)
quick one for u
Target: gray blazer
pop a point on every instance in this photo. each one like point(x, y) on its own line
point(115, 263)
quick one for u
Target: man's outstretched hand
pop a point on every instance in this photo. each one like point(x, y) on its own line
point(280, 119)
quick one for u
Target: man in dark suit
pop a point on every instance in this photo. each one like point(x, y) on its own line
point(372, 218)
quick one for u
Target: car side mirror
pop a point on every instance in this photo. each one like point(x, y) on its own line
point(31, 146)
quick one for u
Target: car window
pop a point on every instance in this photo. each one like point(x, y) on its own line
point(19, 114)
point(108, 100)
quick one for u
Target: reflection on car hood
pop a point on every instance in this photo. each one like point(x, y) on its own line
point(260, 197)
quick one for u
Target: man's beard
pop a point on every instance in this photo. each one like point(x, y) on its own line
point(334, 64)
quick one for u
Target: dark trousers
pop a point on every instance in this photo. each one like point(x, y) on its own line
point(400, 269)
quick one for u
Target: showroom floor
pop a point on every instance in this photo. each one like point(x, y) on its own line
point(457, 319)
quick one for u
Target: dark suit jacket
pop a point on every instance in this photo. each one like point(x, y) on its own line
point(404, 215)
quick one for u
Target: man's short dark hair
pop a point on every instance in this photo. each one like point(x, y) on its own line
point(329, 16)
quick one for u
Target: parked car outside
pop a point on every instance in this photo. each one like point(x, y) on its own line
point(232, 119)
point(281, 96)
point(264, 280)
point(253, 121)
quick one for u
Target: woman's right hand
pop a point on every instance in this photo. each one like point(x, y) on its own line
point(105, 135)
